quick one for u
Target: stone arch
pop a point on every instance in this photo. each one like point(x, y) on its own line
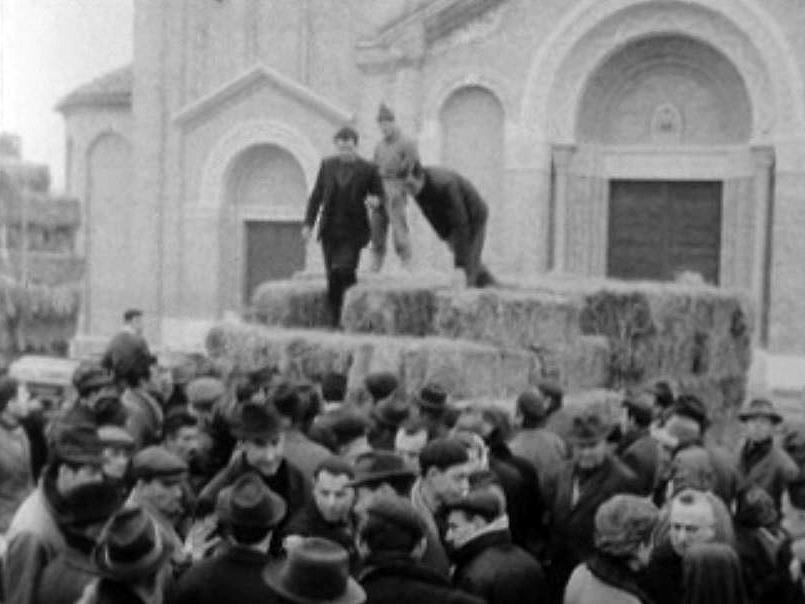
point(107, 245)
point(212, 193)
point(493, 82)
point(739, 29)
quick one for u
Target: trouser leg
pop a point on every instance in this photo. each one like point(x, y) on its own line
point(477, 274)
point(341, 261)
point(397, 202)
point(379, 223)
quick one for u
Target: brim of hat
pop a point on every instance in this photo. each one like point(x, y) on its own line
point(381, 476)
point(278, 505)
point(776, 418)
point(272, 575)
point(133, 571)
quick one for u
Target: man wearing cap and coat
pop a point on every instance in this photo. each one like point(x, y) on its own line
point(35, 537)
point(249, 511)
point(761, 461)
point(592, 476)
point(343, 184)
point(637, 448)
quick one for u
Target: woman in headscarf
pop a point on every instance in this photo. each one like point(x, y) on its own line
point(712, 575)
point(623, 543)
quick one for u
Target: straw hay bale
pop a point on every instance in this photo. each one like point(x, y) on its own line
point(509, 318)
point(465, 368)
point(390, 308)
point(291, 303)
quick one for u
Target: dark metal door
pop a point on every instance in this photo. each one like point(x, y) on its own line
point(659, 229)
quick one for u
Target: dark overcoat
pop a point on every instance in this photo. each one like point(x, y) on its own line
point(403, 581)
point(344, 216)
point(490, 566)
point(573, 524)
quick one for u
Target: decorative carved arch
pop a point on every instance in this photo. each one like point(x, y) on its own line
point(452, 82)
point(212, 193)
point(739, 29)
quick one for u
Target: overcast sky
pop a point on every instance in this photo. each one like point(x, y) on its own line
point(49, 47)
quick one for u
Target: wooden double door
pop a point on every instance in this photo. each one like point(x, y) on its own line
point(659, 229)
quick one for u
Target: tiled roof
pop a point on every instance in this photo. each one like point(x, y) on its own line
point(113, 88)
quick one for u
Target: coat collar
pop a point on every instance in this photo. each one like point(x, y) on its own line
point(615, 572)
point(399, 565)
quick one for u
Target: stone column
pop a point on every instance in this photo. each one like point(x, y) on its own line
point(763, 161)
point(562, 154)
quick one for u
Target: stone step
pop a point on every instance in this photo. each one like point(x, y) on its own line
point(466, 369)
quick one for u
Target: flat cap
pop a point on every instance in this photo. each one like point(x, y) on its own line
point(157, 462)
point(203, 392)
point(115, 436)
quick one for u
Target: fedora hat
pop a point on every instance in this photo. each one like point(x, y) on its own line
point(588, 427)
point(377, 466)
point(432, 397)
point(316, 570)
point(130, 546)
point(254, 421)
point(250, 503)
point(760, 407)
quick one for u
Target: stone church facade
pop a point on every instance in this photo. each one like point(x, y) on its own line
point(624, 138)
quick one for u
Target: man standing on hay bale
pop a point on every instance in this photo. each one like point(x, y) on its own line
point(457, 213)
point(344, 182)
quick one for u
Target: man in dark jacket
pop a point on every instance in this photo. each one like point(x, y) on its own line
point(457, 213)
point(249, 511)
point(261, 441)
point(637, 448)
point(586, 481)
point(128, 349)
point(392, 541)
point(342, 187)
point(488, 564)
point(329, 513)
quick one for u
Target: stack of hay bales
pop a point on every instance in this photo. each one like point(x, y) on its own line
point(493, 343)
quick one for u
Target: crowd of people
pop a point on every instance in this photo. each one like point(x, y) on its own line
point(200, 485)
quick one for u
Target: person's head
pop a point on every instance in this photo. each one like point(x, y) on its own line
point(182, 433)
point(159, 477)
point(691, 468)
point(445, 471)
point(711, 574)
point(663, 395)
point(411, 438)
point(380, 473)
point(381, 385)
point(287, 403)
point(346, 143)
point(624, 525)
point(414, 179)
point(76, 455)
point(588, 442)
point(203, 394)
point(259, 432)
point(350, 431)
point(756, 509)
point(477, 450)
point(332, 490)
point(391, 525)
point(637, 412)
point(531, 409)
point(692, 408)
point(91, 380)
point(249, 511)
point(471, 514)
point(133, 317)
point(118, 448)
point(691, 520)
point(759, 419)
point(385, 121)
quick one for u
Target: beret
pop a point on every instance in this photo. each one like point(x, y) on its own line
point(157, 462)
point(382, 384)
point(204, 391)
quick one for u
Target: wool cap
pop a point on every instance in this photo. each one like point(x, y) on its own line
point(204, 392)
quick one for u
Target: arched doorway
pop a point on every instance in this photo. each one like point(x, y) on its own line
point(472, 124)
point(659, 99)
point(266, 191)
